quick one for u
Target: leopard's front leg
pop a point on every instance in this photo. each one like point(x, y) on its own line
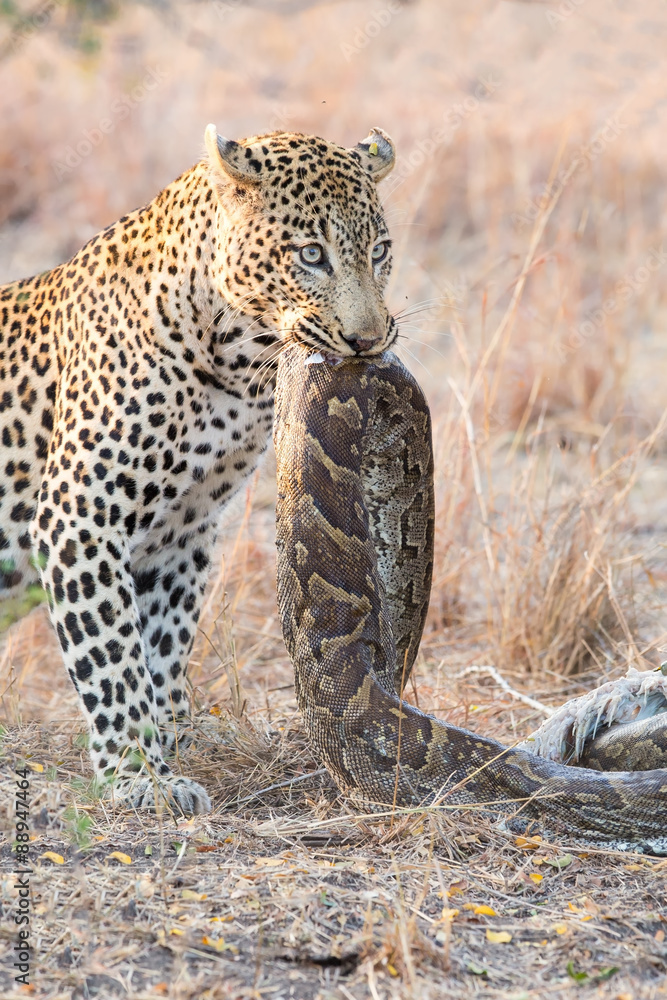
point(169, 588)
point(91, 592)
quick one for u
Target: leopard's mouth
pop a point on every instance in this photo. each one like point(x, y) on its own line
point(311, 338)
point(343, 349)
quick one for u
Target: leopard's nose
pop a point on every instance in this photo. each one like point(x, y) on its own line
point(364, 341)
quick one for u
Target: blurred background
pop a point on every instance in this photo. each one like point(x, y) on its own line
point(527, 209)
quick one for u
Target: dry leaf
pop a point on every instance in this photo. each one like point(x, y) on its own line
point(536, 877)
point(270, 862)
point(484, 910)
point(498, 937)
point(190, 894)
point(220, 944)
point(560, 928)
point(124, 859)
point(35, 767)
point(528, 843)
point(456, 887)
point(217, 943)
point(57, 859)
point(144, 888)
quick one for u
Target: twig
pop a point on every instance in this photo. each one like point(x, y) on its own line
point(505, 324)
point(181, 854)
point(501, 682)
point(477, 479)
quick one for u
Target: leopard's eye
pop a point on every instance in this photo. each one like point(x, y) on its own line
point(311, 254)
point(379, 252)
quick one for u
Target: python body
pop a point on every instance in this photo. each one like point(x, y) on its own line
point(355, 526)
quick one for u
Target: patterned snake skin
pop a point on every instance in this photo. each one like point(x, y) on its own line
point(355, 523)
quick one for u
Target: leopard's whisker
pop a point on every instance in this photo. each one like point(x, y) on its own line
point(414, 357)
point(423, 343)
point(269, 365)
point(424, 306)
point(231, 315)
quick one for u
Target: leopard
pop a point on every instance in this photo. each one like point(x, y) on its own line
point(136, 400)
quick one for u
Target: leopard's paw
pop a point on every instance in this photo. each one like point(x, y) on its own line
point(171, 791)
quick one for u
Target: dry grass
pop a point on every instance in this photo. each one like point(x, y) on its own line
point(514, 233)
point(288, 892)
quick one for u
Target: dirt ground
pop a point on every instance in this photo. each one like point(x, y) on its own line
point(530, 268)
point(293, 895)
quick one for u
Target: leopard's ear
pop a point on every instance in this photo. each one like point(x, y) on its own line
point(376, 153)
point(237, 161)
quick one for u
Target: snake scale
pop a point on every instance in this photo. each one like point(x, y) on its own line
point(355, 529)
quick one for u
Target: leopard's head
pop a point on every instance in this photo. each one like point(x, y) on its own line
point(302, 242)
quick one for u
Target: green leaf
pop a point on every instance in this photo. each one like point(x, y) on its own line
point(78, 827)
point(579, 977)
point(561, 862)
point(607, 973)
